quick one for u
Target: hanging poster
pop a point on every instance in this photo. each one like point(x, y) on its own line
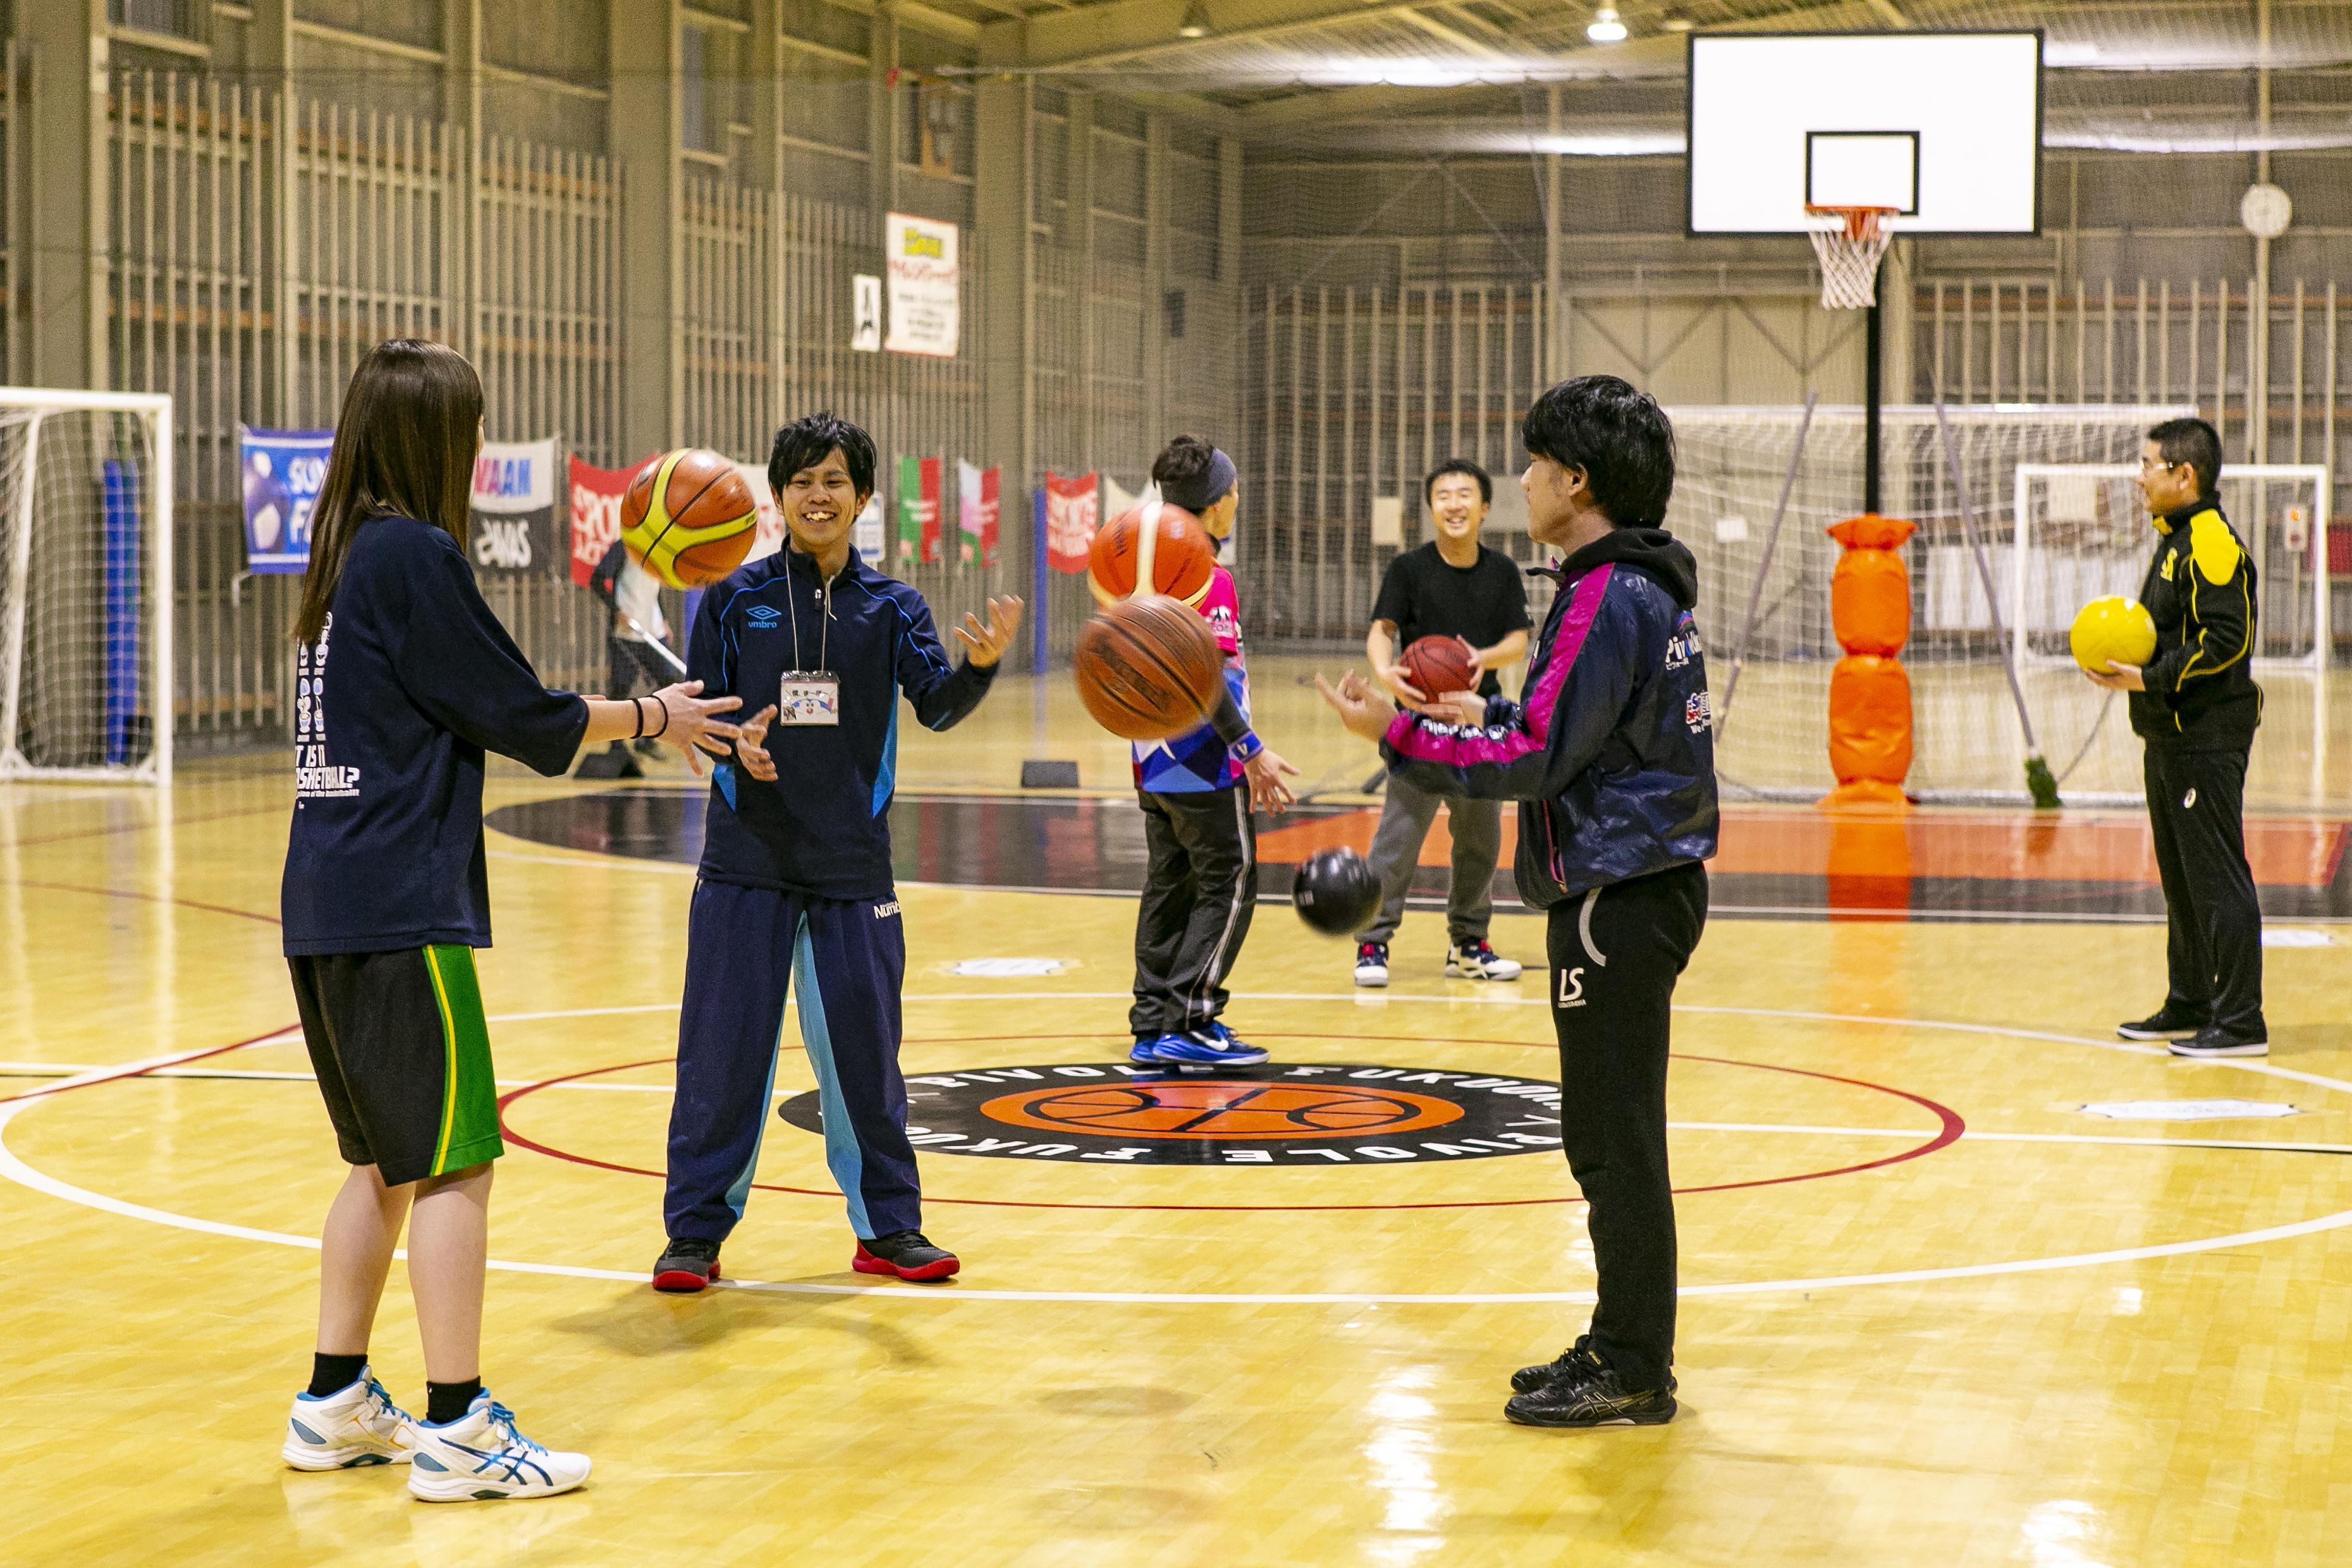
point(513, 524)
point(919, 510)
point(1069, 521)
point(281, 471)
point(977, 509)
point(925, 317)
point(596, 512)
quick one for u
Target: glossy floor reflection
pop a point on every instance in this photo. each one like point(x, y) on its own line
point(1966, 1279)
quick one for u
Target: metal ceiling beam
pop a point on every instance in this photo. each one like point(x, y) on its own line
point(1122, 31)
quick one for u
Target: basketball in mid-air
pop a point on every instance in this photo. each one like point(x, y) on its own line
point(1438, 666)
point(1336, 892)
point(1152, 542)
point(689, 518)
point(1148, 669)
point(2114, 629)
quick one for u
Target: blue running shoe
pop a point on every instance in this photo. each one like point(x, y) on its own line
point(1212, 1045)
point(1149, 1047)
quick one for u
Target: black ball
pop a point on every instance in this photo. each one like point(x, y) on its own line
point(1336, 892)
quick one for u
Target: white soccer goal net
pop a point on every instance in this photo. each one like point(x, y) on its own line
point(85, 586)
point(1771, 691)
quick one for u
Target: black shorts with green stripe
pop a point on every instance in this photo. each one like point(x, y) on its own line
point(402, 1056)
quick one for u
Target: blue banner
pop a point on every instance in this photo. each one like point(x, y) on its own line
point(281, 470)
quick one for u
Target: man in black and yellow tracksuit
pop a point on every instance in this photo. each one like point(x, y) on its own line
point(2195, 704)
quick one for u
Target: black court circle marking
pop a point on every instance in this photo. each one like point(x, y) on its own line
point(1291, 1113)
point(1949, 1131)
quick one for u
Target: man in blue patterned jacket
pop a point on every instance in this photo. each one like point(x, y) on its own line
point(1612, 756)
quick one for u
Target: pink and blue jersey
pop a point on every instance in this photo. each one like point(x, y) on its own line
point(1198, 761)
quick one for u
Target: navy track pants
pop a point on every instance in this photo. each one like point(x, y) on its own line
point(747, 948)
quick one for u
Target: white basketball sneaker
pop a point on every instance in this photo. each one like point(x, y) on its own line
point(480, 1455)
point(1476, 961)
point(354, 1426)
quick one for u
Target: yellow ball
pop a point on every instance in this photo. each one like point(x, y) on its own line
point(2115, 628)
point(689, 518)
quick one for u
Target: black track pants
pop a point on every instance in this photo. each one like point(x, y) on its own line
point(2196, 803)
point(1199, 893)
point(1616, 954)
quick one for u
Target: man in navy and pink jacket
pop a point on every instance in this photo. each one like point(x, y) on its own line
point(1611, 755)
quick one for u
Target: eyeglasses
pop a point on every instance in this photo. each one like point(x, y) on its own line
point(2155, 465)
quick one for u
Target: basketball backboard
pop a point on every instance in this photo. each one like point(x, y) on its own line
point(1945, 129)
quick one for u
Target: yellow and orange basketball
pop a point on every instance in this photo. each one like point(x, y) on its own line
point(689, 518)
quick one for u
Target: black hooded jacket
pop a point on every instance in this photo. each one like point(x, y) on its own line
point(1611, 750)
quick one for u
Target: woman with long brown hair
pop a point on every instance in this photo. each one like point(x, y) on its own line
point(405, 681)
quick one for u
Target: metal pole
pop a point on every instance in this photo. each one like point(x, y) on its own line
point(1872, 398)
point(2037, 771)
point(1764, 567)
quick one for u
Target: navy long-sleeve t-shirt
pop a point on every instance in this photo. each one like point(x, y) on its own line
point(822, 826)
point(410, 683)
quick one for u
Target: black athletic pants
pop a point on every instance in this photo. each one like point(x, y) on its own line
point(2196, 803)
point(1200, 890)
point(1616, 954)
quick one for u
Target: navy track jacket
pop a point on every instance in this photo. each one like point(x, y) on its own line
point(1611, 753)
point(822, 826)
point(410, 683)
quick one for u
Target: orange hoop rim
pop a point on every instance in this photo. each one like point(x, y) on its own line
point(1860, 223)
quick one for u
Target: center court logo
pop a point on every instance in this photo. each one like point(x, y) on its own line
point(1316, 1114)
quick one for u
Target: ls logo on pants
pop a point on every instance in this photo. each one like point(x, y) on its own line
point(1571, 987)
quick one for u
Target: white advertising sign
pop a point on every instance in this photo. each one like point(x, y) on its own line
point(866, 313)
point(925, 315)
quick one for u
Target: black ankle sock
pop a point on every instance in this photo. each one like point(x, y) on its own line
point(447, 1401)
point(333, 1373)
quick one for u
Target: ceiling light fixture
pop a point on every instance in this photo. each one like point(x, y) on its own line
point(1675, 22)
point(1604, 27)
point(1195, 24)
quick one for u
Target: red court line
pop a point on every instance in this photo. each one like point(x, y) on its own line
point(141, 1071)
point(1950, 1128)
point(153, 899)
point(141, 826)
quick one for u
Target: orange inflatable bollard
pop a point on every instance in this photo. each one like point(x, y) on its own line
point(1870, 695)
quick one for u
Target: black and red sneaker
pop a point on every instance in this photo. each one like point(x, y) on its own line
point(686, 1263)
point(905, 1255)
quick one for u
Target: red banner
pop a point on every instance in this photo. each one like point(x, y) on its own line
point(596, 513)
point(1069, 521)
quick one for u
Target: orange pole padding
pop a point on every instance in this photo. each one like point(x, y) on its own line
point(1870, 695)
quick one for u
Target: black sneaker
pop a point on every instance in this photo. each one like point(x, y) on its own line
point(686, 1263)
point(2215, 1041)
point(2168, 1023)
point(1528, 1379)
point(1583, 1393)
point(905, 1255)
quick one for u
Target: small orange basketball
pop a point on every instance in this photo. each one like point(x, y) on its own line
point(1438, 666)
point(1175, 552)
point(689, 518)
point(1147, 668)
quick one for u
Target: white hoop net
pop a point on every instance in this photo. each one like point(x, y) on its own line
point(1850, 255)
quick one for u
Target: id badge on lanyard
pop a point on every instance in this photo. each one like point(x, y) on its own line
point(809, 697)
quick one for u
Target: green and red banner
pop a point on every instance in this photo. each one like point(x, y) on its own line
point(919, 510)
point(977, 506)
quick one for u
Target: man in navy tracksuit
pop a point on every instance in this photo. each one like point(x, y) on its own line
point(795, 893)
point(1611, 755)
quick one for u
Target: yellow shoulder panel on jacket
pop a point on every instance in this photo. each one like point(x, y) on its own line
point(2215, 547)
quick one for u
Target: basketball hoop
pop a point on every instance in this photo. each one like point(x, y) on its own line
point(1850, 254)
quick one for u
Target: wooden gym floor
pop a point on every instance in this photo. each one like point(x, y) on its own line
point(1967, 1279)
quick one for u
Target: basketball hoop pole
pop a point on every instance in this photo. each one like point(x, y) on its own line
point(1873, 399)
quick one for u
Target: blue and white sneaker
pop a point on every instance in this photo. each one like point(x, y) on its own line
point(1210, 1045)
point(481, 1456)
point(351, 1426)
point(1148, 1048)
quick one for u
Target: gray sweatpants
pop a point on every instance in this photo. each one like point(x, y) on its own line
point(1477, 827)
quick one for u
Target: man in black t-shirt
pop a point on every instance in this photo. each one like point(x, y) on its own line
point(1451, 586)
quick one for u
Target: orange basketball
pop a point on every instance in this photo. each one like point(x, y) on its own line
point(689, 518)
point(1174, 552)
point(1438, 666)
point(1147, 668)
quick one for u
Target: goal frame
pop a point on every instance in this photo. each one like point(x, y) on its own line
point(161, 482)
point(2315, 662)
